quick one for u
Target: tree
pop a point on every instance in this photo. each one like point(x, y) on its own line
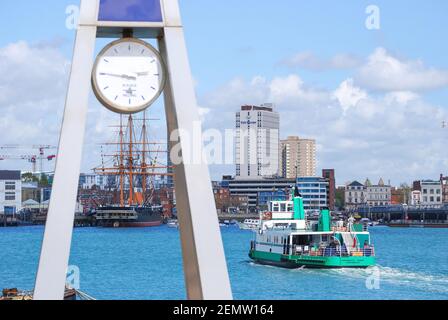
point(43, 182)
point(406, 189)
point(29, 177)
point(340, 198)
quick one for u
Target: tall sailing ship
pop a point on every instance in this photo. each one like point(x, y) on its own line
point(133, 169)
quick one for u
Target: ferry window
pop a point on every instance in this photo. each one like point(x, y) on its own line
point(301, 240)
point(290, 207)
point(283, 207)
point(275, 207)
point(324, 238)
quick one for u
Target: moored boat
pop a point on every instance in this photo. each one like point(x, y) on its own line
point(249, 224)
point(287, 239)
point(173, 223)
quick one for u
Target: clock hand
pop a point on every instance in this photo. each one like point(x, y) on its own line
point(124, 76)
point(141, 74)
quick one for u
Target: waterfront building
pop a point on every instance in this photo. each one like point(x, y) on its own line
point(297, 157)
point(253, 188)
point(398, 196)
point(431, 192)
point(444, 182)
point(257, 142)
point(358, 194)
point(416, 198)
point(354, 195)
point(314, 191)
point(330, 176)
point(10, 192)
point(260, 191)
point(88, 181)
point(265, 197)
point(31, 191)
point(378, 195)
point(228, 203)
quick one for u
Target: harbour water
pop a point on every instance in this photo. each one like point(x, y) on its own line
point(147, 264)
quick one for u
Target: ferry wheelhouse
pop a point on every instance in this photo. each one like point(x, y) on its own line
point(287, 239)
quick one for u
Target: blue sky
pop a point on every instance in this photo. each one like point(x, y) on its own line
point(232, 42)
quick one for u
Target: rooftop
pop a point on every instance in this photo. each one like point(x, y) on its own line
point(264, 107)
point(10, 175)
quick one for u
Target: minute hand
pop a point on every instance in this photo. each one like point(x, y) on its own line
point(124, 76)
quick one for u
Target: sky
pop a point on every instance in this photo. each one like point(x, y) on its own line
point(374, 99)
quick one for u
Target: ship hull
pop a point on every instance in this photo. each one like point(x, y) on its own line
point(296, 262)
point(129, 217)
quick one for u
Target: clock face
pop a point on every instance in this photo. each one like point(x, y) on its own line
point(128, 76)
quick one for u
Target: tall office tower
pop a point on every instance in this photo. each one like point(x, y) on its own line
point(298, 157)
point(257, 142)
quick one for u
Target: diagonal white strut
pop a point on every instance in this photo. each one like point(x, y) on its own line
point(55, 252)
point(205, 268)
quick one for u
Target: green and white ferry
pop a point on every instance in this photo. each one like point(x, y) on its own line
point(286, 238)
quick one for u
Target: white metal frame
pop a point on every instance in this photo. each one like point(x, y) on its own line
point(205, 268)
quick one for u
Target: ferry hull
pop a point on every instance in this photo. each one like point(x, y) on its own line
point(294, 262)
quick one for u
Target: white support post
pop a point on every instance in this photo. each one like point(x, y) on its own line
point(55, 252)
point(205, 267)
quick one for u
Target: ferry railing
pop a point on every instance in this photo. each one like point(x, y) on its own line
point(339, 251)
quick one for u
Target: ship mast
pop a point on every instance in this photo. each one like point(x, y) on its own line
point(143, 165)
point(121, 171)
point(131, 162)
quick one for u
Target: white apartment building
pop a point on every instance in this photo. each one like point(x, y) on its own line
point(10, 192)
point(378, 195)
point(355, 194)
point(416, 198)
point(257, 142)
point(358, 194)
point(297, 157)
point(431, 193)
point(88, 181)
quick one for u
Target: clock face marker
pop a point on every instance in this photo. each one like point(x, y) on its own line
point(128, 80)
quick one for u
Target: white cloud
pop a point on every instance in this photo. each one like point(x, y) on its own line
point(309, 61)
point(384, 72)
point(396, 135)
point(348, 95)
point(32, 91)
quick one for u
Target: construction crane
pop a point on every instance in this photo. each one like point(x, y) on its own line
point(33, 159)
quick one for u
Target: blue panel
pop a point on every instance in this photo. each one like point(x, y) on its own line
point(130, 10)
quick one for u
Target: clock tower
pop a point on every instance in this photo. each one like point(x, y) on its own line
point(205, 269)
